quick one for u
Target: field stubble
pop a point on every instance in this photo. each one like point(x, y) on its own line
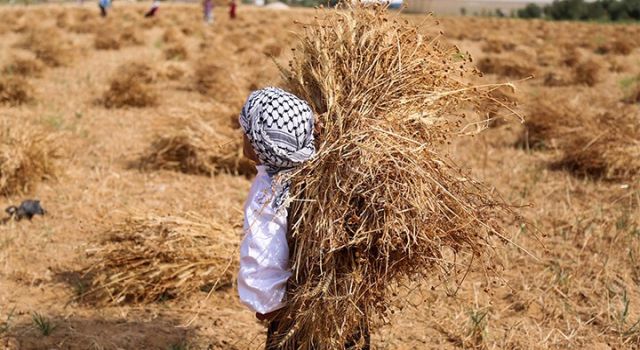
point(570, 166)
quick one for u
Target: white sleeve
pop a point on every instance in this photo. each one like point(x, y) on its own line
point(264, 253)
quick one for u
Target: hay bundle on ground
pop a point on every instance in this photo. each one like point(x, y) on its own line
point(548, 56)
point(498, 46)
point(380, 204)
point(506, 67)
point(172, 71)
point(571, 56)
point(605, 147)
point(131, 35)
point(618, 65)
point(24, 66)
point(548, 118)
point(107, 38)
point(62, 20)
point(49, 45)
point(209, 77)
point(633, 91)
point(600, 146)
point(153, 258)
point(171, 36)
point(14, 90)
point(140, 71)
point(217, 81)
point(558, 78)
point(617, 47)
point(193, 146)
point(131, 86)
point(176, 52)
point(587, 73)
point(85, 22)
point(634, 97)
point(27, 156)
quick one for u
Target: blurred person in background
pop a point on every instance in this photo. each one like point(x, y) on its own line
point(154, 8)
point(104, 6)
point(207, 7)
point(232, 9)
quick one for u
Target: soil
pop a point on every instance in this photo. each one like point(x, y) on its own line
point(575, 283)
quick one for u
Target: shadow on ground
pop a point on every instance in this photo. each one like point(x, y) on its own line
point(77, 333)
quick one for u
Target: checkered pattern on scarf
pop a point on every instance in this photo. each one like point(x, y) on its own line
point(279, 126)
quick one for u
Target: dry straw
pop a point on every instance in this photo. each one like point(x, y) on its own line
point(548, 118)
point(195, 146)
point(15, 90)
point(24, 66)
point(605, 146)
point(114, 37)
point(85, 21)
point(131, 86)
point(131, 36)
point(587, 73)
point(49, 45)
point(597, 145)
point(27, 156)
point(380, 204)
point(633, 93)
point(153, 258)
point(506, 66)
point(107, 38)
point(218, 81)
point(176, 52)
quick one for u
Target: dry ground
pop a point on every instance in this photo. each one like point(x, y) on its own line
point(574, 285)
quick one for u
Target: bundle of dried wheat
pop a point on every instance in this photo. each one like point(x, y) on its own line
point(27, 156)
point(152, 258)
point(195, 146)
point(380, 203)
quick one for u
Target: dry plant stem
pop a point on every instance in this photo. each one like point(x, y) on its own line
point(131, 86)
point(152, 258)
point(194, 146)
point(380, 203)
point(597, 145)
point(27, 156)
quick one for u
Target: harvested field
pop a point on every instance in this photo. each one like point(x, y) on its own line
point(152, 188)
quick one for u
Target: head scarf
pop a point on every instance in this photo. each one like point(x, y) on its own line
point(279, 126)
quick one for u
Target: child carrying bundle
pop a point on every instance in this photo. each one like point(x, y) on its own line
point(336, 221)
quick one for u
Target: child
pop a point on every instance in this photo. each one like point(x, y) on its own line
point(278, 136)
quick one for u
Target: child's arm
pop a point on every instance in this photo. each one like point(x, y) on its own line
point(264, 253)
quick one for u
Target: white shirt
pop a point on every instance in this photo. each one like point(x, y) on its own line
point(264, 253)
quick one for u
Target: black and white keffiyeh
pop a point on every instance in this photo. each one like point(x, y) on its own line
point(279, 126)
